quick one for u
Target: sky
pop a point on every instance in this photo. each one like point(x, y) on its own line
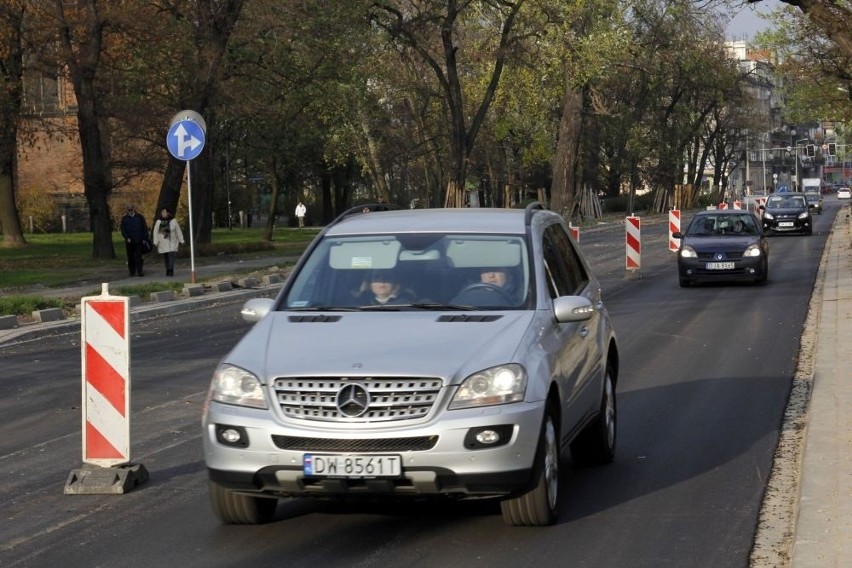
point(747, 22)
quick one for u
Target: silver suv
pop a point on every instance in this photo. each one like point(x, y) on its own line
point(443, 353)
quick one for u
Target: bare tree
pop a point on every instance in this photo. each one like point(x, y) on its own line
point(210, 25)
point(413, 30)
point(79, 32)
point(834, 17)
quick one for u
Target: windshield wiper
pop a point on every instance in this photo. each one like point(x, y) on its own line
point(438, 306)
point(322, 309)
point(434, 306)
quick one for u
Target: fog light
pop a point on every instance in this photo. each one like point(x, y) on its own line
point(235, 436)
point(488, 437)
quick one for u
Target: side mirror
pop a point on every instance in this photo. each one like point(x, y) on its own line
point(677, 235)
point(256, 309)
point(572, 309)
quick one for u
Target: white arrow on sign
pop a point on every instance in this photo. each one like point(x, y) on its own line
point(185, 140)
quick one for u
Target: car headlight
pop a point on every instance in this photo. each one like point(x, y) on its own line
point(752, 250)
point(688, 252)
point(768, 216)
point(804, 215)
point(233, 385)
point(498, 385)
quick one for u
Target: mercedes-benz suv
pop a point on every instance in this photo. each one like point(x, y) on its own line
point(429, 353)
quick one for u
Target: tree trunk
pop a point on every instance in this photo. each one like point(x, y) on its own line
point(565, 161)
point(272, 218)
point(82, 61)
point(11, 72)
point(213, 23)
point(169, 196)
point(9, 221)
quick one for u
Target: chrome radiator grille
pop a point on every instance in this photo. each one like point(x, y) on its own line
point(335, 399)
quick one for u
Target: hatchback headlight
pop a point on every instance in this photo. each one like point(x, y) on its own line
point(804, 215)
point(768, 216)
point(498, 385)
point(752, 250)
point(233, 385)
point(688, 252)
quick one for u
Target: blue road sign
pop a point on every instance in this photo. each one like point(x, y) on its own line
point(185, 140)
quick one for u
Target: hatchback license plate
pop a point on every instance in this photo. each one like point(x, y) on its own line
point(352, 466)
point(786, 224)
point(720, 266)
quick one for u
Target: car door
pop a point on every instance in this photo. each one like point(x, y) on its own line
point(576, 345)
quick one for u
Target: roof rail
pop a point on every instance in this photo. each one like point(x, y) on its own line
point(530, 210)
point(365, 208)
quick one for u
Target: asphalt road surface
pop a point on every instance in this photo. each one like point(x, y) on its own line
point(706, 372)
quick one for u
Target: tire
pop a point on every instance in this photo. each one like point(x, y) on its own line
point(539, 506)
point(596, 443)
point(684, 282)
point(238, 509)
point(764, 275)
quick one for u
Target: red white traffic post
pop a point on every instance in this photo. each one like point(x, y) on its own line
point(105, 355)
point(674, 227)
point(633, 241)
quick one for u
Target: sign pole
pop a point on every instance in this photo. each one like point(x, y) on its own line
point(193, 279)
point(186, 141)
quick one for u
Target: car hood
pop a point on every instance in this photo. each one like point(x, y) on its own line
point(787, 210)
point(405, 343)
point(718, 243)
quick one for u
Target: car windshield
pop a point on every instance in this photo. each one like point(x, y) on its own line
point(812, 196)
point(413, 271)
point(722, 225)
point(785, 202)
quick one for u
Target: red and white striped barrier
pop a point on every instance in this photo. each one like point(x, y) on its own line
point(105, 346)
point(575, 232)
point(738, 205)
point(633, 239)
point(674, 227)
point(722, 205)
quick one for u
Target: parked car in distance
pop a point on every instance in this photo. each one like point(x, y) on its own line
point(722, 245)
point(786, 213)
point(418, 354)
point(844, 192)
point(814, 201)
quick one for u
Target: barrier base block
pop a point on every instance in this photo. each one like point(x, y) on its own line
point(632, 274)
point(94, 480)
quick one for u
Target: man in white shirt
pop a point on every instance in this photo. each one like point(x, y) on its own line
point(300, 214)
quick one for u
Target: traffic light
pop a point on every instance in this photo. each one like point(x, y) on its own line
point(832, 149)
point(810, 150)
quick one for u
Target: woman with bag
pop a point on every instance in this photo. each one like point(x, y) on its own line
point(167, 238)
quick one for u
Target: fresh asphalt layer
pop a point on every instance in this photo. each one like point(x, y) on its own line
point(806, 517)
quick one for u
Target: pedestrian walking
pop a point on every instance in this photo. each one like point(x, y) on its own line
point(134, 230)
point(167, 238)
point(300, 214)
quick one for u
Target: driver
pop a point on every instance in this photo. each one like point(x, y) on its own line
point(494, 276)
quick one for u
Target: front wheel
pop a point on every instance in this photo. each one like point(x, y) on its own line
point(596, 443)
point(237, 509)
point(539, 506)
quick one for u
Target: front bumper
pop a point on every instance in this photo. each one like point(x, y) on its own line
point(787, 225)
point(745, 269)
point(445, 466)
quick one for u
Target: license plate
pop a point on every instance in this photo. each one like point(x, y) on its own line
point(352, 466)
point(720, 266)
point(786, 224)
